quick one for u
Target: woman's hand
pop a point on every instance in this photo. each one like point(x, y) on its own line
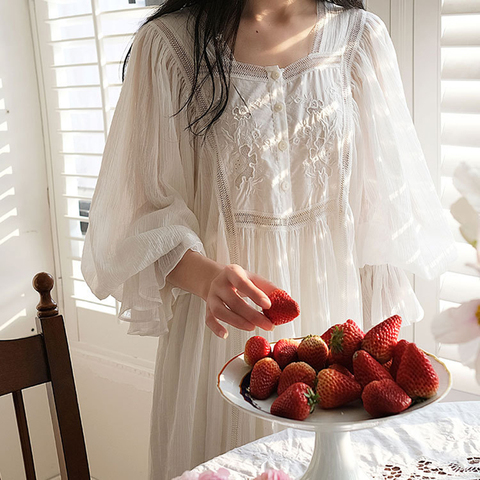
point(225, 302)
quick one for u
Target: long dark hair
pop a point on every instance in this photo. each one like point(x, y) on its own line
point(216, 23)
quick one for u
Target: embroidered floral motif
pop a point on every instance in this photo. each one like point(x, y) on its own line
point(245, 137)
point(317, 132)
point(241, 113)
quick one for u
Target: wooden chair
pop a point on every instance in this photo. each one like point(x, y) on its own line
point(45, 358)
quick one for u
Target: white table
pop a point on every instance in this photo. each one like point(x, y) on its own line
point(442, 441)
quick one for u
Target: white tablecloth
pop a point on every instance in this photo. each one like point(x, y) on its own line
point(441, 441)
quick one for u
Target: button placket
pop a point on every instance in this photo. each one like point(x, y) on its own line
point(279, 114)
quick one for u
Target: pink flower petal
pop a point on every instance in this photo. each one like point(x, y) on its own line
point(468, 352)
point(457, 325)
point(466, 179)
point(477, 368)
point(273, 475)
point(221, 474)
point(187, 475)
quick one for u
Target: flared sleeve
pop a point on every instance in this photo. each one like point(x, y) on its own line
point(141, 219)
point(400, 225)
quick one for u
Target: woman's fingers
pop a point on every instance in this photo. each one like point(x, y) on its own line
point(223, 313)
point(262, 283)
point(237, 276)
point(238, 305)
point(215, 326)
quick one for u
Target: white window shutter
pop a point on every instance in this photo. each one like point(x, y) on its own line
point(80, 46)
point(460, 139)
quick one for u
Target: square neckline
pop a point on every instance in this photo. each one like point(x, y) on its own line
point(322, 11)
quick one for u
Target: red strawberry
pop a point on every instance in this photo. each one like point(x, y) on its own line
point(294, 373)
point(264, 378)
point(366, 369)
point(314, 351)
point(343, 340)
point(256, 348)
point(336, 389)
point(283, 309)
point(384, 397)
point(380, 340)
point(285, 352)
point(397, 356)
point(341, 369)
point(416, 374)
point(296, 402)
point(388, 365)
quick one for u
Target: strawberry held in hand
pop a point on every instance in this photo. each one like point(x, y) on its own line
point(284, 308)
point(285, 352)
point(380, 340)
point(294, 373)
point(314, 351)
point(256, 348)
point(296, 402)
point(264, 378)
point(416, 374)
point(384, 397)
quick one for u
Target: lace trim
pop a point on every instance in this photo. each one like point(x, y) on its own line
point(427, 469)
point(351, 44)
point(223, 194)
point(297, 219)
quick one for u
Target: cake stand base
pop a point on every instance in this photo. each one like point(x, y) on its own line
point(333, 458)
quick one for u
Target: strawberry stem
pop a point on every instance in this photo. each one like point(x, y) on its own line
point(312, 398)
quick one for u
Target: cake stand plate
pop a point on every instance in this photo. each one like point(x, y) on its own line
point(333, 456)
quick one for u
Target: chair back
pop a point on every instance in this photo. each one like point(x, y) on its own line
point(45, 358)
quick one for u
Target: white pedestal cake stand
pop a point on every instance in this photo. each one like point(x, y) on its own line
point(333, 456)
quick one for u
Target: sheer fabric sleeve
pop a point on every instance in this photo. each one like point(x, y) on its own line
point(141, 221)
point(399, 221)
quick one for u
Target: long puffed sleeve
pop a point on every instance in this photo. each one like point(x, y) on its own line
point(141, 218)
point(399, 221)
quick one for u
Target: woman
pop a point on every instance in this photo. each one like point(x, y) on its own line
point(293, 164)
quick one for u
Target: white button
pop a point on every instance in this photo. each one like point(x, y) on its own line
point(275, 75)
point(278, 107)
point(284, 185)
point(282, 145)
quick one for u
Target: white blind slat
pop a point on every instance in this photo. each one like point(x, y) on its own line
point(461, 63)
point(460, 6)
point(461, 96)
point(460, 138)
point(461, 30)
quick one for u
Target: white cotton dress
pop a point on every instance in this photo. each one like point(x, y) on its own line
point(314, 178)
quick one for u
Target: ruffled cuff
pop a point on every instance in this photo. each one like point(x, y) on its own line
point(386, 291)
point(148, 298)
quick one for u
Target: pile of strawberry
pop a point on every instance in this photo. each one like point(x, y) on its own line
point(341, 366)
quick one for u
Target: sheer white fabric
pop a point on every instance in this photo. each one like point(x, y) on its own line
point(140, 220)
point(314, 178)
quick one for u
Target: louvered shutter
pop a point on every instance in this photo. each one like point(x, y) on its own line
point(460, 139)
point(80, 46)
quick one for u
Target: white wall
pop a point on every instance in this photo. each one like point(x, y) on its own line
point(25, 231)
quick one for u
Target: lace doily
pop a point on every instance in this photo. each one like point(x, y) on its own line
point(427, 469)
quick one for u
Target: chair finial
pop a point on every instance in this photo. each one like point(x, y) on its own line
point(43, 283)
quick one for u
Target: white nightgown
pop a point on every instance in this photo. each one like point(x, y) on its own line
point(313, 178)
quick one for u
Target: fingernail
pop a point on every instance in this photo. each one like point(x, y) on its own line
point(225, 335)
